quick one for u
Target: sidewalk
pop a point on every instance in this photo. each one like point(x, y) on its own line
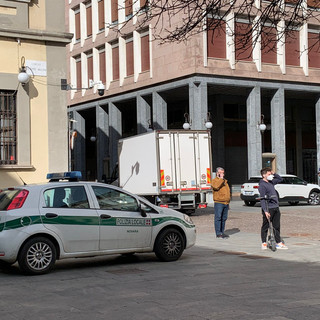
point(242, 243)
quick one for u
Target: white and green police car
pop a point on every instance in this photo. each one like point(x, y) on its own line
point(69, 218)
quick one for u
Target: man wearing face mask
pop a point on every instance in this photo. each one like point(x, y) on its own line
point(270, 206)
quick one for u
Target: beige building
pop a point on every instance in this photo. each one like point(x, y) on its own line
point(33, 128)
point(208, 75)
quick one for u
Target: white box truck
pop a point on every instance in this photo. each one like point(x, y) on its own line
point(171, 168)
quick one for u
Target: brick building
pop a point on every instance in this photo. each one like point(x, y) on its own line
point(148, 83)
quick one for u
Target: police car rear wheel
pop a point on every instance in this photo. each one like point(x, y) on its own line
point(169, 245)
point(37, 256)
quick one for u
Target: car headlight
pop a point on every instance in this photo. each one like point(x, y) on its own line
point(188, 219)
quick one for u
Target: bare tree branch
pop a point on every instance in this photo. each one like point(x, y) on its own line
point(200, 15)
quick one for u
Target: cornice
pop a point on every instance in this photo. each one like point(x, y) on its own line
point(40, 35)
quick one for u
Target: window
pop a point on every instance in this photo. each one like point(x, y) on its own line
point(89, 19)
point(77, 24)
point(216, 38)
point(293, 48)
point(101, 15)
point(115, 61)
point(129, 56)
point(90, 65)
point(110, 199)
point(128, 8)
point(66, 197)
point(145, 52)
point(143, 4)
point(8, 128)
point(78, 72)
point(296, 180)
point(243, 41)
point(102, 64)
point(314, 49)
point(313, 3)
point(269, 44)
point(114, 11)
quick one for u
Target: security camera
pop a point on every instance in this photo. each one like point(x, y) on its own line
point(100, 88)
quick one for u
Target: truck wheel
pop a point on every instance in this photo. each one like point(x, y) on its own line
point(250, 203)
point(37, 256)
point(314, 198)
point(169, 245)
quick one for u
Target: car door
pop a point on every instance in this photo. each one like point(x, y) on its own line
point(121, 223)
point(299, 188)
point(66, 211)
point(284, 188)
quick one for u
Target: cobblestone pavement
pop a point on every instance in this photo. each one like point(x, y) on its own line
point(301, 220)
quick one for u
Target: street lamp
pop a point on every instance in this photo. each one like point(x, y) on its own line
point(187, 122)
point(23, 77)
point(262, 127)
point(208, 123)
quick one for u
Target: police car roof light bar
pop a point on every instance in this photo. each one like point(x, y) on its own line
point(69, 175)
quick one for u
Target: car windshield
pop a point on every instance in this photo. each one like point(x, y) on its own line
point(6, 197)
point(254, 180)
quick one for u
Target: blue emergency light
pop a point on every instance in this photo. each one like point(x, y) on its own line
point(69, 175)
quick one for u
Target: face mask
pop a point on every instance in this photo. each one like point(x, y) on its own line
point(270, 178)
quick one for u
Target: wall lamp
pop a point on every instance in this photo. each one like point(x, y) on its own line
point(187, 122)
point(208, 123)
point(150, 126)
point(93, 137)
point(261, 125)
point(23, 77)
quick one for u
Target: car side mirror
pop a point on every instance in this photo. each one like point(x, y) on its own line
point(143, 213)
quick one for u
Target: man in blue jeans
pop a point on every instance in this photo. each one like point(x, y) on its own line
point(221, 197)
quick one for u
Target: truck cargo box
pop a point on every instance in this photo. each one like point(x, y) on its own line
point(166, 161)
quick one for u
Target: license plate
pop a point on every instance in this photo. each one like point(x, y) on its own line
point(248, 193)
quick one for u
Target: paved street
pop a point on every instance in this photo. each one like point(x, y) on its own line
point(216, 279)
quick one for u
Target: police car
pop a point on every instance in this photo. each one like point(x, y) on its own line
point(68, 218)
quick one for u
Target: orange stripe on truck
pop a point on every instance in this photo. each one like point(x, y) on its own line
point(162, 178)
point(208, 175)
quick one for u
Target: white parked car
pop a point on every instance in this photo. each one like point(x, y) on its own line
point(292, 189)
point(57, 220)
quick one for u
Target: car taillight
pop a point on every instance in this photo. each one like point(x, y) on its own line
point(242, 186)
point(255, 187)
point(18, 200)
point(164, 205)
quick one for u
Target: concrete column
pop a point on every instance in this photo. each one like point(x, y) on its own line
point(198, 104)
point(102, 123)
point(79, 150)
point(278, 131)
point(297, 118)
point(318, 135)
point(143, 114)
point(253, 132)
point(160, 113)
point(218, 152)
point(115, 133)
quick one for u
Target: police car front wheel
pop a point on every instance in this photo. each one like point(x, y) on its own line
point(37, 256)
point(169, 245)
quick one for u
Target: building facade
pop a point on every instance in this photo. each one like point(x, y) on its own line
point(33, 128)
point(207, 76)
